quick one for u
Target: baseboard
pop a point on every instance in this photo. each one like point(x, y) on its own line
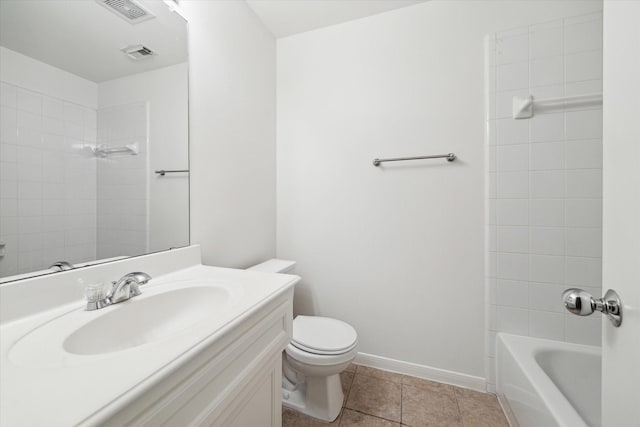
point(422, 371)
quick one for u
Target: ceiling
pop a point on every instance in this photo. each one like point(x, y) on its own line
point(84, 38)
point(287, 17)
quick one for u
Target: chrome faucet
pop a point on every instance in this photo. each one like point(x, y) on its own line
point(127, 287)
point(61, 266)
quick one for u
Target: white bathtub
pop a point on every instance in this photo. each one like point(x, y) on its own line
point(548, 383)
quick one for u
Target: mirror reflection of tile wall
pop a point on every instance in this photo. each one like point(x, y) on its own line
point(47, 185)
point(122, 219)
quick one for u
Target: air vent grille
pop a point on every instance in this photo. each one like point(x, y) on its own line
point(130, 10)
point(138, 52)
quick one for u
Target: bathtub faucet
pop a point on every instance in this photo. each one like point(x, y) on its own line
point(582, 303)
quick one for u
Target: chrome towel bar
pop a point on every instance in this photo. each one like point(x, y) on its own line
point(162, 172)
point(450, 157)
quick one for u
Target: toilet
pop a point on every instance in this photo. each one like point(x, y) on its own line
point(319, 350)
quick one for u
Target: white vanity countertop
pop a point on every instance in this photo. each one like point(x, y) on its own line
point(41, 384)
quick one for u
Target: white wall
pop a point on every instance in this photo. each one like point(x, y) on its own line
point(232, 133)
point(397, 251)
point(47, 182)
point(166, 92)
point(545, 180)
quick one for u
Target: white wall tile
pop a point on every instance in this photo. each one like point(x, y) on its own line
point(29, 101)
point(512, 239)
point(8, 207)
point(512, 320)
point(547, 184)
point(27, 120)
point(52, 125)
point(547, 71)
point(584, 87)
point(547, 127)
point(513, 266)
point(8, 189)
point(513, 185)
point(583, 66)
point(8, 152)
point(546, 297)
point(547, 156)
point(510, 131)
point(52, 108)
point(8, 95)
point(583, 271)
point(547, 269)
point(584, 124)
point(8, 125)
point(547, 241)
point(512, 212)
point(583, 213)
point(8, 172)
point(512, 76)
point(546, 42)
point(583, 36)
point(512, 49)
point(585, 242)
point(584, 154)
point(72, 113)
point(584, 183)
point(557, 224)
point(30, 190)
point(41, 166)
point(512, 293)
point(9, 224)
point(547, 325)
point(30, 137)
point(513, 158)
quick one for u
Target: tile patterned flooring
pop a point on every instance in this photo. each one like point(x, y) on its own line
point(375, 398)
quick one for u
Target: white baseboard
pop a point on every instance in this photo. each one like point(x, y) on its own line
point(422, 371)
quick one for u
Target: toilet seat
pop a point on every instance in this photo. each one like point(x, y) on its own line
point(323, 335)
point(313, 359)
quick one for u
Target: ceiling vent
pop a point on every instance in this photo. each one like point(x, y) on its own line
point(129, 10)
point(138, 52)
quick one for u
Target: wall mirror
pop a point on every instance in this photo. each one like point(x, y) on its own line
point(94, 107)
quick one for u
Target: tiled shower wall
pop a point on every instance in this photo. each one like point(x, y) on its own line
point(123, 220)
point(57, 200)
point(544, 224)
point(48, 185)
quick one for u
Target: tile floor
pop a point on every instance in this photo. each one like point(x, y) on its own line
point(375, 398)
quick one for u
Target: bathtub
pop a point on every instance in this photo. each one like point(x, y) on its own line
point(544, 383)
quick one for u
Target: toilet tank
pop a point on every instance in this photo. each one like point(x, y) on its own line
point(274, 265)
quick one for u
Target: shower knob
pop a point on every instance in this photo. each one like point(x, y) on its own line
point(582, 303)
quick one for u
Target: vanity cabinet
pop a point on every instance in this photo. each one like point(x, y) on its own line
point(236, 381)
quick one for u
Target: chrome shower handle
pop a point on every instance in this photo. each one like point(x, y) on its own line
point(582, 303)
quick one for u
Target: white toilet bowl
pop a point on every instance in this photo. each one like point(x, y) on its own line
point(319, 350)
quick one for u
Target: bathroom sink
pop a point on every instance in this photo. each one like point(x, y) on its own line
point(145, 320)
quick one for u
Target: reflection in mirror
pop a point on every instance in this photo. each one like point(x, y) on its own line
point(94, 100)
